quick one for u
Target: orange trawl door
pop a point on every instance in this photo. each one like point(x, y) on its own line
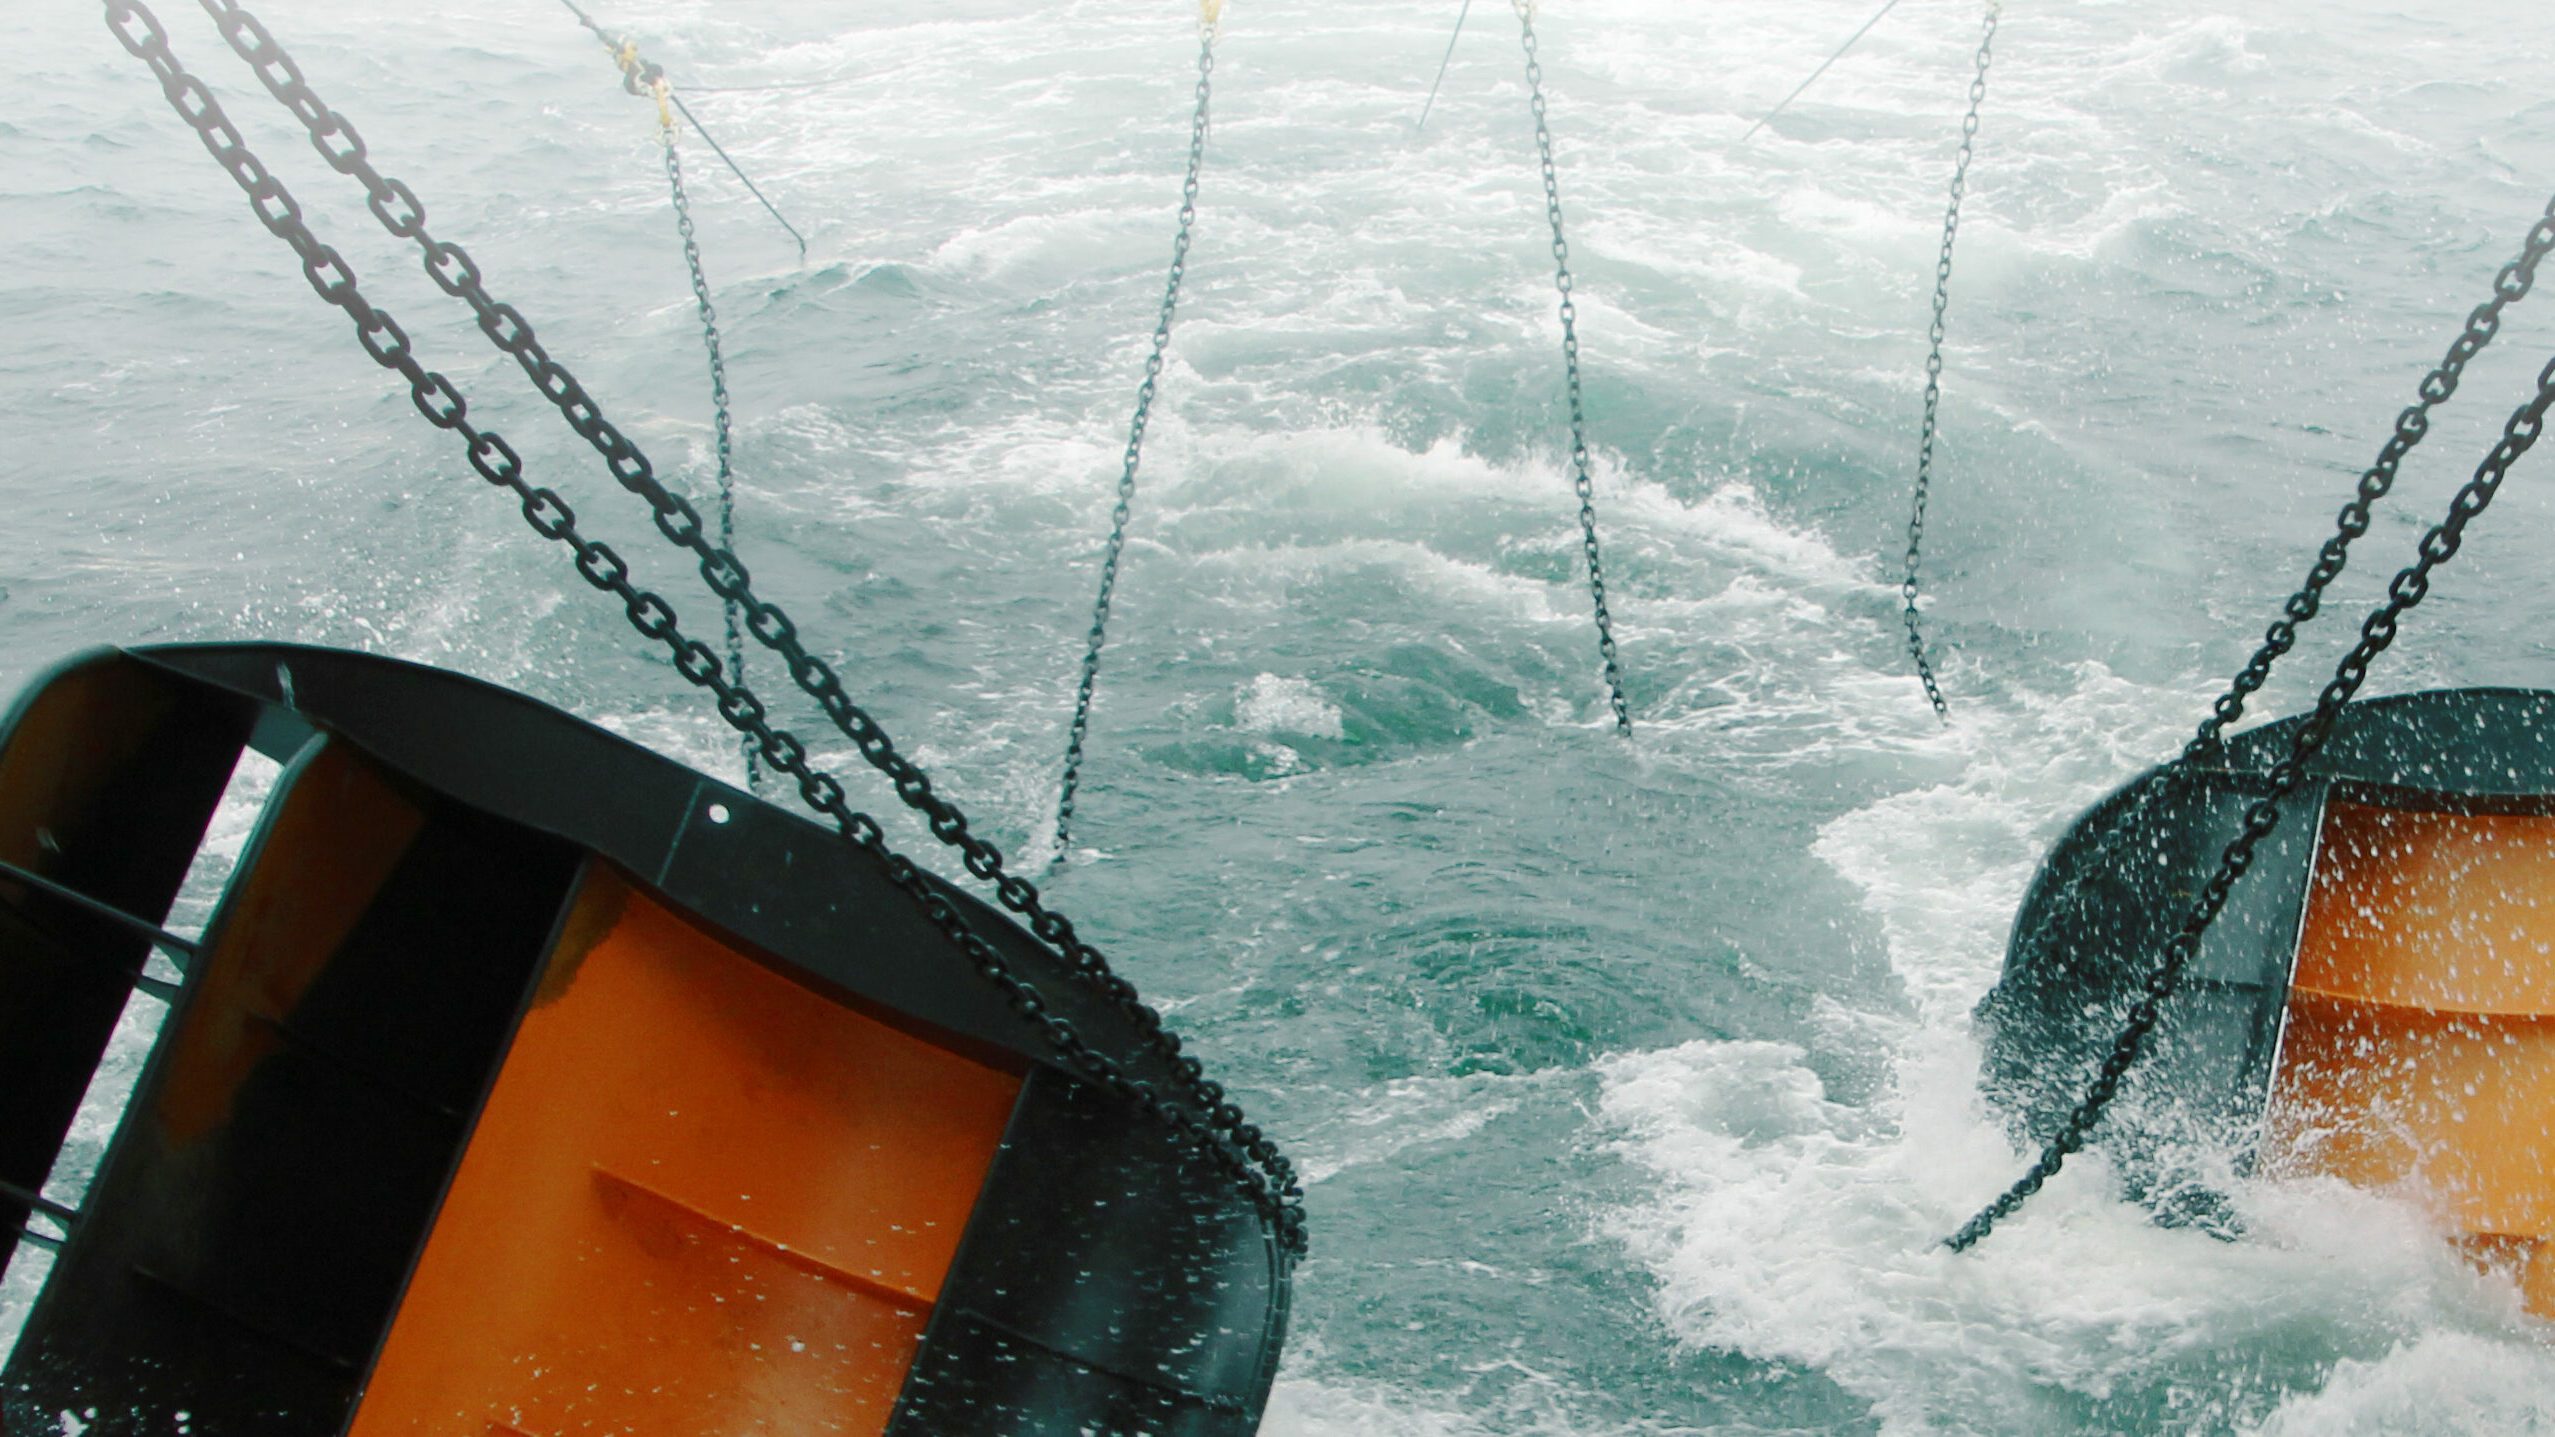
point(701, 1200)
point(2419, 1051)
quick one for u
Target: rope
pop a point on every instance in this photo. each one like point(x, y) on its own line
point(1080, 726)
point(1579, 476)
point(1934, 369)
point(2376, 633)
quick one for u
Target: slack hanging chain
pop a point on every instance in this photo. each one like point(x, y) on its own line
point(641, 76)
point(1080, 727)
point(1223, 1134)
point(1934, 369)
point(1579, 479)
point(718, 398)
point(2410, 585)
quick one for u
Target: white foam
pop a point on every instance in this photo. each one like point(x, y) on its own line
point(1383, 1122)
point(1792, 1228)
point(1063, 240)
point(1302, 1407)
point(1275, 705)
point(2444, 1382)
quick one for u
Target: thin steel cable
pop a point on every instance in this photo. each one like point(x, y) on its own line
point(739, 171)
point(1441, 67)
point(1797, 90)
point(625, 51)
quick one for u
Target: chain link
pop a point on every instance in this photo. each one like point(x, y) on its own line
point(1080, 727)
point(1206, 1118)
point(2377, 632)
point(1579, 478)
point(1934, 367)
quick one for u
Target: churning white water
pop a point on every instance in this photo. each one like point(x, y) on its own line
point(1634, 1082)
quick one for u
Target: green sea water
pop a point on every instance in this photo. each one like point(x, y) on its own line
point(1634, 1082)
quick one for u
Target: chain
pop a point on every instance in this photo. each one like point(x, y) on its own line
point(1934, 368)
point(2510, 285)
point(1579, 479)
point(1080, 727)
point(719, 404)
point(1224, 1134)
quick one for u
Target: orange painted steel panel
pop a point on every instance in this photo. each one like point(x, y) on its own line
point(2459, 1107)
point(701, 1199)
point(2419, 1049)
point(2448, 911)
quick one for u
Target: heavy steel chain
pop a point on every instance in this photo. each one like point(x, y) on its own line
point(2482, 323)
point(1579, 479)
point(1080, 727)
point(1934, 368)
point(1222, 1133)
point(2377, 632)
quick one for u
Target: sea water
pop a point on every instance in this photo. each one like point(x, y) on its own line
point(1633, 1082)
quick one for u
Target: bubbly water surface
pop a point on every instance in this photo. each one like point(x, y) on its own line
point(1634, 1082)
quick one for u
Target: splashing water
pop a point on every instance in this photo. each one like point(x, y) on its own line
point(1634, 1082)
